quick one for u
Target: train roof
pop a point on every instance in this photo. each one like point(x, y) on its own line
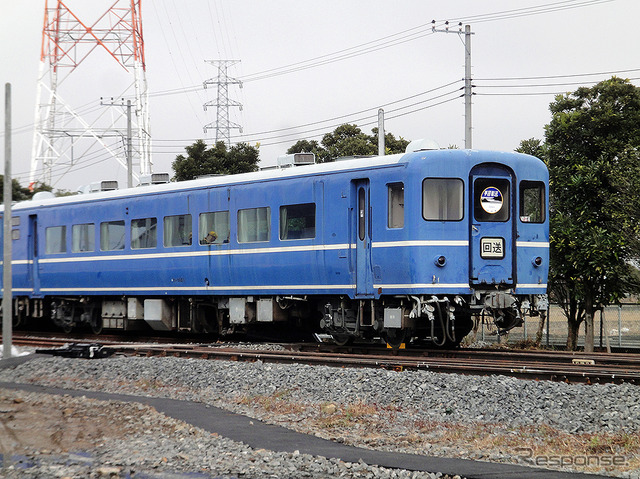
point(267, 174)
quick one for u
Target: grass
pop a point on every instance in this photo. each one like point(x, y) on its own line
point(389, 426)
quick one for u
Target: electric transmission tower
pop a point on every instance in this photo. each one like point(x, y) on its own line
point(223, 125)
point(68, 136)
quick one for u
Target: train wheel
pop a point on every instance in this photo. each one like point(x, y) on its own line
point(96, 323)
point(395, 337)
point(342, 339)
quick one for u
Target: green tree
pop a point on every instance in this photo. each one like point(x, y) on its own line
point(200, 160)
point(348, 140)
point(21, 193)
point(533, 147)
point(592, 148)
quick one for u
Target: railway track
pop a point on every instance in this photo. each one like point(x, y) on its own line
point(571, 367)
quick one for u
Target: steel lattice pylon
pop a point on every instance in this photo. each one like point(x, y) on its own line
point(66, 134)
point(223, 125)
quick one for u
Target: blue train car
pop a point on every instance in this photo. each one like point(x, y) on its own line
point(402, 246)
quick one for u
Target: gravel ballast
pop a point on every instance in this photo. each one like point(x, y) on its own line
point(405, 411)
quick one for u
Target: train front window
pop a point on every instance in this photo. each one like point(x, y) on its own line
point(177, 230)
point(83, 238)
point(492, 199)
point(532, 202)
point(56, 239)
point(442, 199)
point(298, 221)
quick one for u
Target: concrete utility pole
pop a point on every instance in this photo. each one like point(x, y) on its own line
point(467, 87)
point(467, 76)
point(381, 132)
point(128, 139)
point(7, 286)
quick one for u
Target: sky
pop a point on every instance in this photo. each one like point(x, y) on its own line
point(308, 66)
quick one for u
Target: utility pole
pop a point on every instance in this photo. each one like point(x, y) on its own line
point(128, 143)
point(380, 132)
point(467, 75)
point(223, 125)
point(7, 285)
point(129, 149)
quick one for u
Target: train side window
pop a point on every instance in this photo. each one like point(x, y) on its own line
point(254, 225)
point(56, 239)
point(144, 233)
point(532, 202)
point(213, 228)
point(395, 215)
point(298, 221)
point(112, 235)
point(442, 199)
point(83, 238)
point(177, 230)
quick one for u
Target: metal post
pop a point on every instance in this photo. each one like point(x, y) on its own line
point(601, 326)
point(467, 87)
point(620, 325)
point(129, 149)
point(381, 132)
point(7, 294)
point(548, 324)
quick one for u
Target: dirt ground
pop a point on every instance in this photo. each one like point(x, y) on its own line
point(45, 424)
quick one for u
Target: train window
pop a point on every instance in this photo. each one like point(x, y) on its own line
point(532, 202)
point(254, 224)
point(298, 221)
point(15, 234)
point(56, 239)
point(213, 227)
point(112, 235)
point(144, 233)
point(442, 199)
point(491, 199)
point(15, 221)
point(177, 230)
point(362, 213)
point(83, 238)
point(395, 215)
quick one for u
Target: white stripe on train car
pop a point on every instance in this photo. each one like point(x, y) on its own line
point(532, 244)
point(228, 252)
point(199, 288)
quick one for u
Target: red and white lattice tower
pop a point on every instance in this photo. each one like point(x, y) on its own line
point(77, 60)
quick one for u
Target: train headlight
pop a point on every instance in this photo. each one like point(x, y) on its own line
point(440, 261)
point(537, 261)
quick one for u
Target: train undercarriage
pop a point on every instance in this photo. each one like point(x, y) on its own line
point(442, 321)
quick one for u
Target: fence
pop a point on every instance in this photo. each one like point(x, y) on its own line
point(619, 324)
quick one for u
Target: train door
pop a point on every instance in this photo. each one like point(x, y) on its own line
point(32, 255)
point(492, 226)
point(362, 230)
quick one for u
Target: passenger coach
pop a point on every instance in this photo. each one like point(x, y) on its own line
point(401, 246)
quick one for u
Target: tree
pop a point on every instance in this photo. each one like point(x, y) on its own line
point(240, 158)
point(348, 140)
point(592, 148)
point(20, 193)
